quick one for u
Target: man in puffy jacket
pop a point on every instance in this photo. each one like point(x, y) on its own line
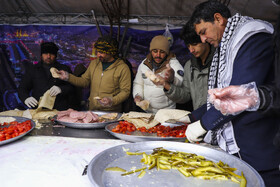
point(157, 62)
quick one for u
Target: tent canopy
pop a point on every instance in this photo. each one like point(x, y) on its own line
point(141, 12)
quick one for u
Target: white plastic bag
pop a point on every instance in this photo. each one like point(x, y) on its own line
point(168, 35)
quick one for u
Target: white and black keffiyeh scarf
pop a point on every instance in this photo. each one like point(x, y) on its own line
point(219, 62)
point(238, 30)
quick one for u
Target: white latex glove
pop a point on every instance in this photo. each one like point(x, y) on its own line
point(54, 91)
point(195, 132)
point(31, 102)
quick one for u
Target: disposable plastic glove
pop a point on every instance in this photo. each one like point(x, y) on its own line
point(106, 101)
point(31, 102)
point(137, 98)
point(195, 132)
point(159, 81)
point(54, 91)
point(63, 75)
point(169, 74)
point(235, 99)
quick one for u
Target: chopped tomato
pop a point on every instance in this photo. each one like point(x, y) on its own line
point(14, 129)
point(162, 131)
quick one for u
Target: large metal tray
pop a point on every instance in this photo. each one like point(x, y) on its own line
point(19, 119)
point(89, 125)
point(138, 136)
point(116, 156)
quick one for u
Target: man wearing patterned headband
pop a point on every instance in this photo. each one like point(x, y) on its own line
point(38, 79)
point(108, 77)
point(244, 54)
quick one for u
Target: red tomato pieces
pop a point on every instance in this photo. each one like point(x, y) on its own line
point(123, 127)
point(14, 129)
point(162, 131)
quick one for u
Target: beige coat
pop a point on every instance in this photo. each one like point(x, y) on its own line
point(114, 82)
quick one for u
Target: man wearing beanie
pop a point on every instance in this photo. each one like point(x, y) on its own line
point(38, 79)
point(108, 77)
point(196, 70)
point(158, 62)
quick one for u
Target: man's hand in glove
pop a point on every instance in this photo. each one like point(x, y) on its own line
point(54, 91)
point(195, 132)
point(169, 74)
point(106, 101)
point(235, 99)
point(138, 98)
point(63, 75)
point(31, 102)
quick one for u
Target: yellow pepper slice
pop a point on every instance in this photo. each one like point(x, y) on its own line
point(115, 169)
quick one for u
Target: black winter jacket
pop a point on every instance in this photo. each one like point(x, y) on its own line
point(38, 79)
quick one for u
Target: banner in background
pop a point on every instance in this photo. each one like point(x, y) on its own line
point(20, 46)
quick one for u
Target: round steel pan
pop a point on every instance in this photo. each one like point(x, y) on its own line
point(116, 156)
point(138, 136)
point(19, 119)
point(89, 125)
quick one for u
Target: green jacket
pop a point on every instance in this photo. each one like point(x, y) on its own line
point(195, 82)
point(113, 82)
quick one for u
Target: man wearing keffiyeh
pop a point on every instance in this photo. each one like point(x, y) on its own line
point(108, 76)
point(244, 54)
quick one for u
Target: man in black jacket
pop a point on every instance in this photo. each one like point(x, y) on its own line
point(38, 79)
point(249, 97)
point(234, 100)
point(239, 59)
